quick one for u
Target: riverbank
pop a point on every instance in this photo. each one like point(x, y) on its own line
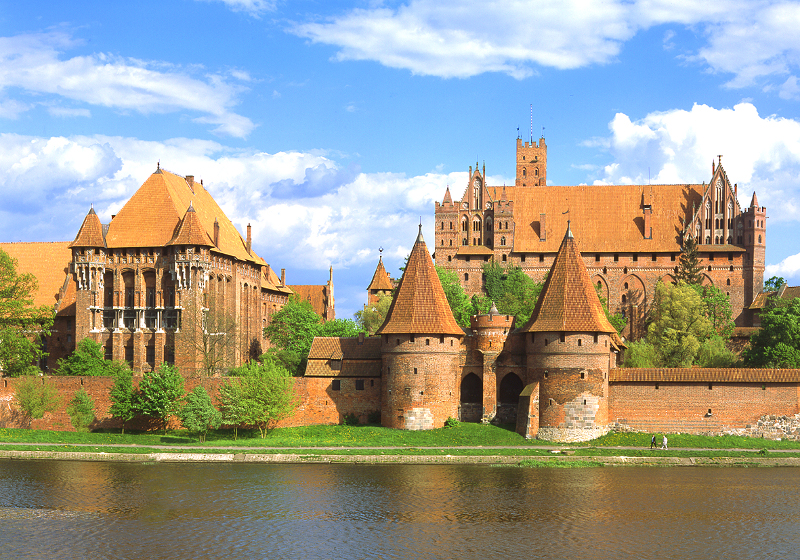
point(386, 457)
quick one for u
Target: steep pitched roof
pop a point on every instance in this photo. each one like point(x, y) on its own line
point(568, 301)
point(754, 201)
point(91, 232)
point(356, 359)
point(447, 198)
point(606, 218)
point(381, 279)
point(48, 262)
point(316, 295)
point(191, 231)
point(151, 216)
point(420, 306)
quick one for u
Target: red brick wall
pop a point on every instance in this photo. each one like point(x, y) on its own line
point(683, 407)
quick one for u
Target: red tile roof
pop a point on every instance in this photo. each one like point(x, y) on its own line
point(420, 306)
point(568, 301)
point(381, 279)
point(354, 359)
point(606, 218)
point(191, 231)
point(152, 214)
point(315, 295)
point(48, 262)
point(91, 232)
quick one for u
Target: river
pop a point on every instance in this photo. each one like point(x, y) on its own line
point(62, 509)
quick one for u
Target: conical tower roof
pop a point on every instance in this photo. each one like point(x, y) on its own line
point(754, 201)
point(91, 232)
point(568, 301)
point(447, 198)
point(191, 231)
point(420, 306)
point(381, 279)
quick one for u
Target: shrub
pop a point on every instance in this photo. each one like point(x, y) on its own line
point(350, 419)
point(451, 423)
point(198, 415)
point(35, 397)
point(81, 410)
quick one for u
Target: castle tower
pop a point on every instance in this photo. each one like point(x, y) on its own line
point(381, 284)
point(489, 334)
point(88, 266)
point(569, 344)
point(755, 241)
point(420, 342)
point(531, 163)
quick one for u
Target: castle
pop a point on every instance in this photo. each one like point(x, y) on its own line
point(630, 235)
point(168, 280)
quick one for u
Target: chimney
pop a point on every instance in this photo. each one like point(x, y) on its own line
point(542, 226)
point(283, 277)
point(249, 241)
point(216, 232)
point(712, 166)
point(190, 182)
point(269, 269)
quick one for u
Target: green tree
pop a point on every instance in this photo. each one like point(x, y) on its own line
point(124, 397)
point(678, 324)
point(372, 316)
point(459, 303)
point(268, 394)
point(22, 324)
point(233, 405)
point(520, 295)
point(777, 343)
point(198, 415)
point(294, 326)
point(208, 332)
point(87, 360)
point(640, 354)
point(718, 310)
point(81, 410)
point(160, 393)
point(35, 397)
point(616, 319)
point(713, 353)
point(337, 327)
point(773, 284)
point(689, 264)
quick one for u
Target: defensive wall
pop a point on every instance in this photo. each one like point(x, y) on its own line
point(690, 400)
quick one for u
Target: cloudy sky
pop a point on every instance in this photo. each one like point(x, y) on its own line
point(332, 127)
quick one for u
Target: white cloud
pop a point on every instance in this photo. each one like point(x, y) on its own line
point(753, 40)
point(35, 64)
point(761, 154)
point(68, 112)
point(254, 8)
point(787, 268)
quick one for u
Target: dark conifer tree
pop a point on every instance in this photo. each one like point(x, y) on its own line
point(689, 264)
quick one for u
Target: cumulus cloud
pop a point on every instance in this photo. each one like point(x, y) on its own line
point(753, 40)
point(36, 64)
point(759, 153)
point(787, 268)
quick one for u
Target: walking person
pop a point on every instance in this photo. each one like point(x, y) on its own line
point(664, 443)
point(653, 442)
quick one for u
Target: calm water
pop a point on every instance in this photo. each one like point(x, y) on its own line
point(60, 510)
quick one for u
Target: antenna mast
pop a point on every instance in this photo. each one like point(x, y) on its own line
point(531, 123)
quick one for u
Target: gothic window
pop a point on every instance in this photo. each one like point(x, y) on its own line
point(476, 225)
point(536, 172)
point(442, 225)
point(708, 240)
point(730, 214)
point(524, 172)
point(464, 226)
point(488, 224)
point(464, 241)
point(502, 241)
point(708, 214)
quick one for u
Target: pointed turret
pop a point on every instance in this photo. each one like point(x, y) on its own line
point(420, 306)
point(91, 232)
point(190, 231)
point(380, 280)
point(568, 301)
point(754, 201)
point(447, 198)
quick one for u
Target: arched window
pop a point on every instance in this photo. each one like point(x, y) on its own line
point(451, 225)
point(449, 258)
point(451, 242)
point(506, 225)
point(504, 258)
point(472, 389)
point(442, 225)
point(466, 277)
point(708, 214)
point(464, 226)
point(464, 241)
point(476, 225)
point(524, 172)
point(502, 241)
point(536, 172)
point(624, 299)
point(510, 389)
point(708, 240)
point(488, 223)
point(759, 238)
point(730, 214)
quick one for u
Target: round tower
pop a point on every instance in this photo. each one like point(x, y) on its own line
point(489, 335)
point(569, 345)
point(420, 344)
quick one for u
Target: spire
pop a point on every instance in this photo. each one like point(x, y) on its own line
point(419, 305)
point(420, 239)
point(568, 301)
point(754, 201)
point(447, 198)
point(380, 280)
point(91, 232)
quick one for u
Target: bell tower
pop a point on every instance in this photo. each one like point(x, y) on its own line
point(531, 163)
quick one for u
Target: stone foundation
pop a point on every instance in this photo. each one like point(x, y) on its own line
point(419, 419)
point(570, 435)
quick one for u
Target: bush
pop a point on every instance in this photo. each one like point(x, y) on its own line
point(35, 397)
point(81, 411)
point(451, 423)
point(714, 354)
point(350, 419)
point(640, 354)
point(198, 415)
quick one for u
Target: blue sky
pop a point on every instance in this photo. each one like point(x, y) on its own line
point(332, 127)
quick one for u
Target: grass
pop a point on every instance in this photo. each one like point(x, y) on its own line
point(688, 440)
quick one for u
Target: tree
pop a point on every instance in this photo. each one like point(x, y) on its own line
point(268, 394)
point(616, 319)
point(233, 406)
point(718, 310)
point(86, 360)
point(773, 284)
point(337, 328)
point(160, 393)
point(22, 324)
point(198, 415)
point(520, 295)
point(208, 335)
point(777, 343)
point(294, 326)
point(456, 297)
point(81, 410)
point(372, 316)
point(35, 397)
point(678, 323)
point(640, 354)
point(124, 398)
point(713, 353)
point(689, 264)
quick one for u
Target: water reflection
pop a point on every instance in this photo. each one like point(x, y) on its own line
point(109, 510)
